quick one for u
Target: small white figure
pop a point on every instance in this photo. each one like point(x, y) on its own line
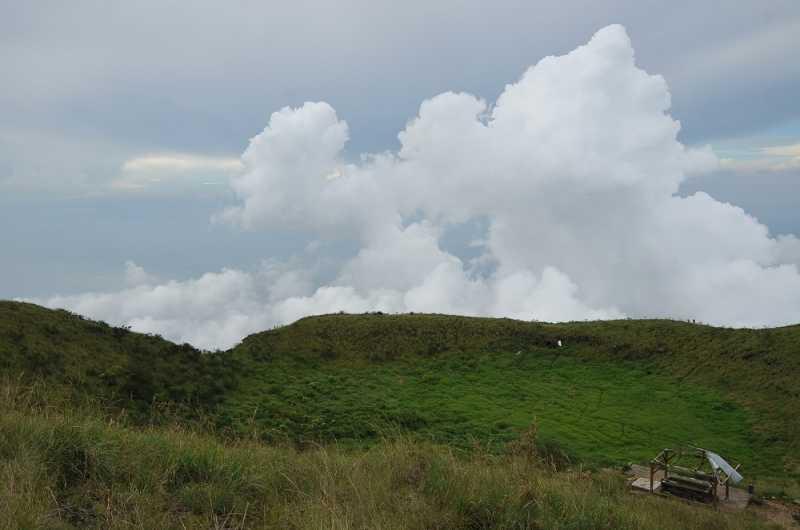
point(559, 343)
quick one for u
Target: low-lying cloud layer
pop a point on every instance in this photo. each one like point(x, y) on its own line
point(573, 172)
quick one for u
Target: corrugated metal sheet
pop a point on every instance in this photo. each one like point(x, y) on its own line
point(717, 462)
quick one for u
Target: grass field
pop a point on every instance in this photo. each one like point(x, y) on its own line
point(615, 392)
point(594, 411)
point(382, 421)
point(63, 468)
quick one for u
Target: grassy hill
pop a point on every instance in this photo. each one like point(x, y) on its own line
point(349, 403)
point(117, 368)
point(616, 391)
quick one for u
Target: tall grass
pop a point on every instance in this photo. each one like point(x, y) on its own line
point(62, 467)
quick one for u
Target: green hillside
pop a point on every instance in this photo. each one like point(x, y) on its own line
point(120, 369)
point(292, 414)
point(615, 392)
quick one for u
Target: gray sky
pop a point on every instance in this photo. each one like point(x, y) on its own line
point(123, 122)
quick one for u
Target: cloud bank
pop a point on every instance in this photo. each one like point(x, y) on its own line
point(571, 175)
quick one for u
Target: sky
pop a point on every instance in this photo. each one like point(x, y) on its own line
point(204, 172)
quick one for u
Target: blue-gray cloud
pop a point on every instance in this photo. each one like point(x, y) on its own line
point(158, 76)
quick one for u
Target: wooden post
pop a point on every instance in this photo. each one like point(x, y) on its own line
point(651, 477)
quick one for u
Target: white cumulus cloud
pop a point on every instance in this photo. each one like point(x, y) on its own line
point(136, 275)
point(573, 171)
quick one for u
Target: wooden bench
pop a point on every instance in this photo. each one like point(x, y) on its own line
point(688, 487)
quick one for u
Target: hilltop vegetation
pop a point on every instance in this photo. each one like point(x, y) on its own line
point(119, 369)
point(382, 421)
point(616, 391)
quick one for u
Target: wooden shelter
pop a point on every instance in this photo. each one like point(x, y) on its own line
point(693, 473)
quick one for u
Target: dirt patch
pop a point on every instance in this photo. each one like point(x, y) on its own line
point(785, 515)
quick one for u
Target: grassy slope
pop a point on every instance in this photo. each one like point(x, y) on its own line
point(616, 391)
point(122, 369)
point(63, 468)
